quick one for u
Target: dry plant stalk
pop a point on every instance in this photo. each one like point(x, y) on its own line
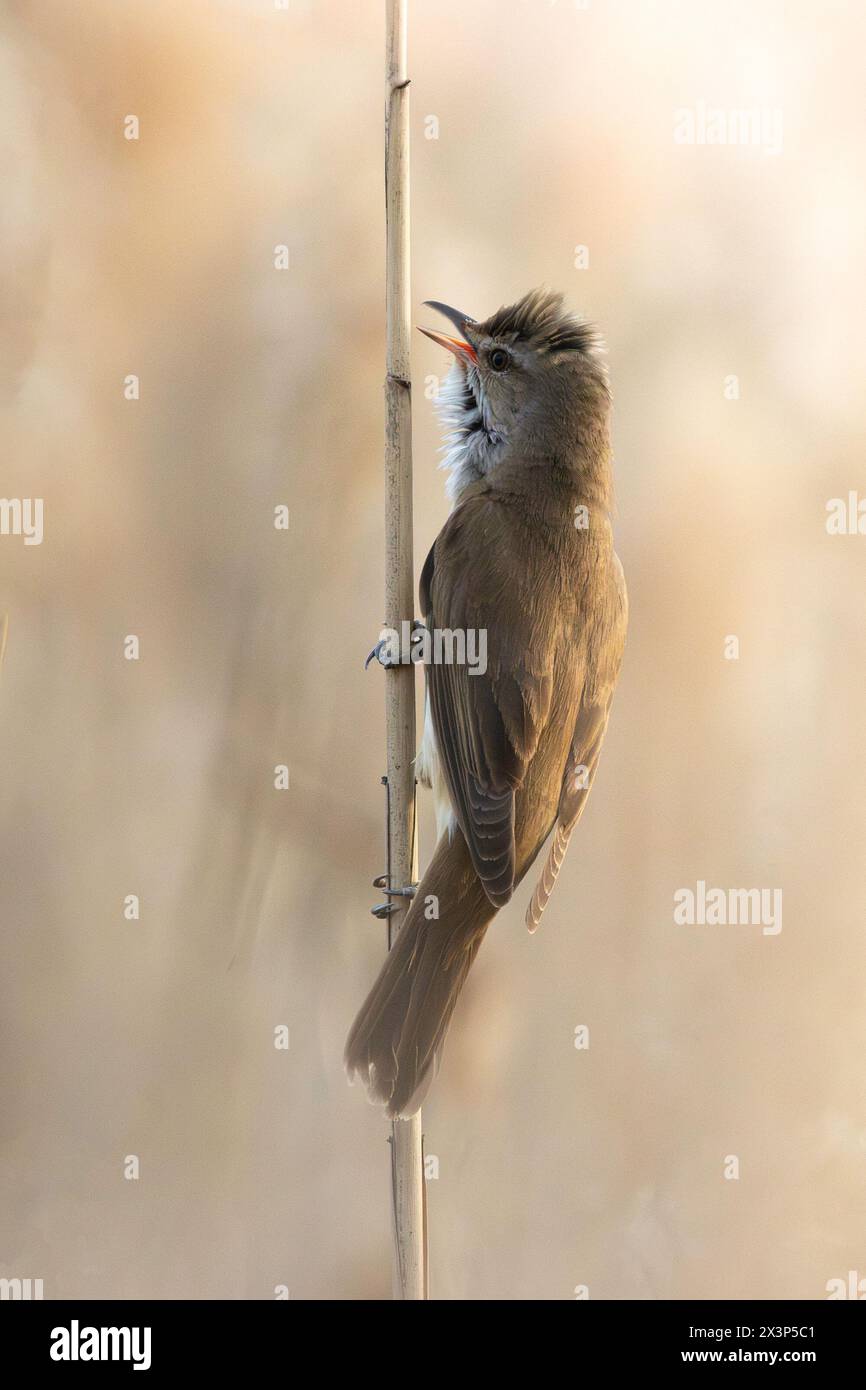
point(407, 1159)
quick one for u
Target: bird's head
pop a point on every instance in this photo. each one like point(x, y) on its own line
point(528, 381)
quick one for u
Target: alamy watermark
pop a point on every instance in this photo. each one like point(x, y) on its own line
point(21, 1290)
point(22, 516)
point(77, 1343)
point(438, 646)
point(710, 907)
point(760, 127)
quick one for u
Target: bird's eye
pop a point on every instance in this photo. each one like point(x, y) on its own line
point(499, 359)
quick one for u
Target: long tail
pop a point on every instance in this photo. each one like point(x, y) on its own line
point(396, 1041)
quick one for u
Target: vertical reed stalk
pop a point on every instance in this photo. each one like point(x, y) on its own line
point(407, 1160)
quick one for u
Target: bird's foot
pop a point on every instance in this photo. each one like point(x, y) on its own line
point(385, 909)
point(388, 651)
point(383, 653)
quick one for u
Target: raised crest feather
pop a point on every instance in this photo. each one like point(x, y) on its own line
point(539, 320)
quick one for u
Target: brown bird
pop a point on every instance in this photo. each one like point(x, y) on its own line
point(526, 557)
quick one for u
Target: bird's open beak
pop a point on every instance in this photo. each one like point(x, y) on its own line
point(458, 346)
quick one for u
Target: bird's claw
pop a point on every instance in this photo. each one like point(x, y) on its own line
point(379, 653)
point(384, 651)
point(383, 910)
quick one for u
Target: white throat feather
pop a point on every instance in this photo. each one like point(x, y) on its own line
point(471, 445)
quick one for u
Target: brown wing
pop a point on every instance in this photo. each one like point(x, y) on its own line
point(487, 725)
point(576, 783)
point(585, 746)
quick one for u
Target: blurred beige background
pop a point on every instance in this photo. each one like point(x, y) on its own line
point(557, 1167)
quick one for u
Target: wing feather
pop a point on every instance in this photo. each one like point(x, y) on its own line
point(487, 725)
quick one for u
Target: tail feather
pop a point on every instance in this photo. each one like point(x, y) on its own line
point(396, 1041)
point(549, 875)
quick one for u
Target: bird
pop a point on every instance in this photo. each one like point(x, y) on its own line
point(527, 557)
